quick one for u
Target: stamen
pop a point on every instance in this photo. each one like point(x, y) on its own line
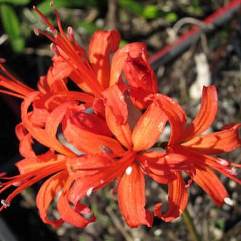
point(129, 170)
point(36, 31)
point(223, 162)
point(58, 20)
point(5, 204)
point(89, 191)
point(228, 201)
point(44, 19)
point(189, 183)
point(233, 171)
point(70, 32)
point(54, 49)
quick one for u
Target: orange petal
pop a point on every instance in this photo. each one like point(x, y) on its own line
point(225, 140)
point(119, 58)
point(90, 162)
point(121, 131)
point(148, 128)
point(69, 214)
point(46, 194)
point(25, 145)
point(210, 183)
point(46, 138)
point(88, 121)
point(89, 142)
point(102, 45)
point(177, 200)
point(175, 114)
point(89, 179)
point(131, 197)
point(115, 100)
point(36, 162)
point(140, 77)
point(159, 172)
point(206, 114)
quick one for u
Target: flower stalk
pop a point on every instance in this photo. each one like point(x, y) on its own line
point(188, 221)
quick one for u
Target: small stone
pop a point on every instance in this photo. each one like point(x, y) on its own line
point(228, 201)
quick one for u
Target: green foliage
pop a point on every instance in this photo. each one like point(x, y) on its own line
point(195, 8)
point(15, 2)
point(11, 25)
point(151, 12)
point(147, 11)
point(88, 27)
point(45, 7)
point(170, 17)
point(132, 6)
point(220, 224)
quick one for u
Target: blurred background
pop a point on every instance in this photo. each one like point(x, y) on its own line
point(213, 57)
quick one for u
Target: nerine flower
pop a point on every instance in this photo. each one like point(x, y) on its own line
point(195, 150)
point(109, 130)
point(46, 110)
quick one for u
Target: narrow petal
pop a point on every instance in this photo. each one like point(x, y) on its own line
point(175, 114)
point(30, 164)
point(120, 57)
point(48, 191)
point(89, 142)
point(102, 45)
point(25, 145)
point(210, 183)
point(141, 78)
point(88, 121)
point(148, 128)
point(225, 140)
point(40, 134)
point(206, 114)
point(69, 214)
point(131, 198)
point(115, 100)
point(89, 179)
point(121, 131)
point(177, 200)
point(94, 162)
point(149, 162)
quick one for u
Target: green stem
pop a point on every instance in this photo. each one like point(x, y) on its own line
point(188, 220)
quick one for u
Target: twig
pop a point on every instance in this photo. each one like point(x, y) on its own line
point(187, 218)
point(118, 224)
point(111, 15)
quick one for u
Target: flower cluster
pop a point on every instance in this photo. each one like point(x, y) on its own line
point(109, 129)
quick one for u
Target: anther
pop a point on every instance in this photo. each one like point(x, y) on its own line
point(129, 170)
point(89, 191)
point(233, 171)
point(70, 32)
point(223, 162)
point(5, 203)
point(36, 31)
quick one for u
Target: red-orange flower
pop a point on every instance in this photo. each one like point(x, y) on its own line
point(195, 149)
point(109, 131)
point(135, 134)
point(53, 106)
